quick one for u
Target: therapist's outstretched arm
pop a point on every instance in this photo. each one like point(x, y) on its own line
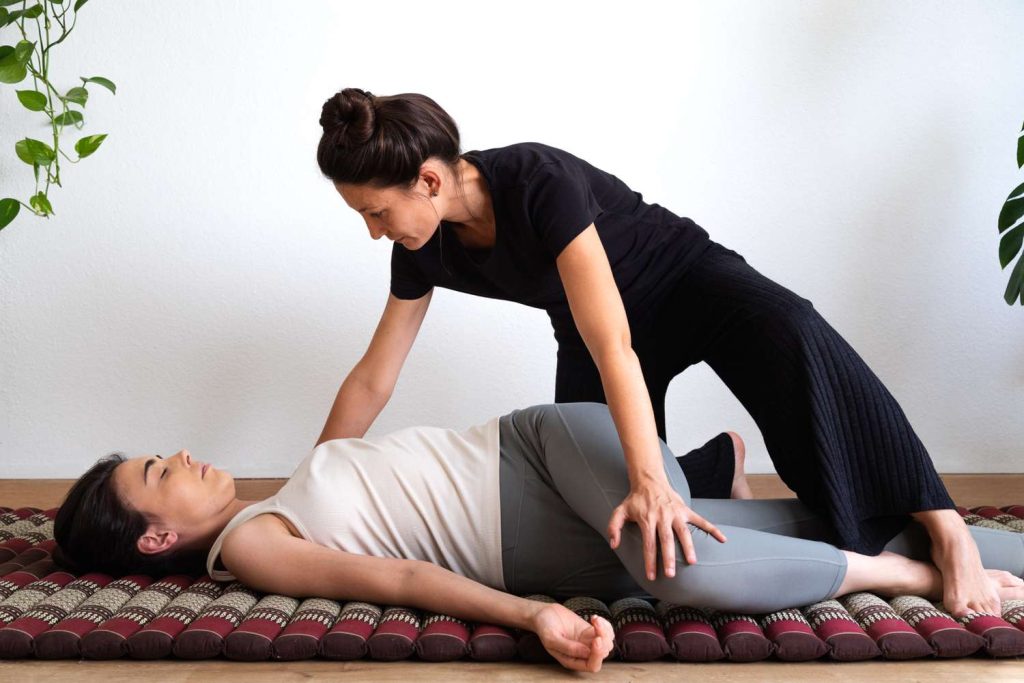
point(369, 385)
point(600, 317)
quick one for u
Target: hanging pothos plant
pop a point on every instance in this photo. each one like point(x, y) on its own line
point(1010, 243)
point(43, 25)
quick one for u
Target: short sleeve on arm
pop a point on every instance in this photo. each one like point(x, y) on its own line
point(407, 281)
point(560, 204)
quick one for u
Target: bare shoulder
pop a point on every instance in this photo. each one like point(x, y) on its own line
point(264, 530)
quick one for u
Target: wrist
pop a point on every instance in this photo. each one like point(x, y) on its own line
point(646, 479)
point(528, 611)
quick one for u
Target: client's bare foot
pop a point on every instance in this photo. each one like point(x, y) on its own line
point(1008, 586)
point(740, 487)
point(890, 574)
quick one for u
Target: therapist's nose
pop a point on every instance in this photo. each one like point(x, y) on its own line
point(375, 232)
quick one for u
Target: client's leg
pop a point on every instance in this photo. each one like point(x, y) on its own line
point(904, 567)
point(1002, 550)
point(754, 571)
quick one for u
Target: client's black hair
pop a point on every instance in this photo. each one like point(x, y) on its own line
point(97, 532)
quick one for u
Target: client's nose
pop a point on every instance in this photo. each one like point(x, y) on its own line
point(186, 457)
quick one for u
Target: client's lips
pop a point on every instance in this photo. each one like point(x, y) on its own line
point(204, 470)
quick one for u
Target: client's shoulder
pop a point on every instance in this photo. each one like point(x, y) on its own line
point(263, 525)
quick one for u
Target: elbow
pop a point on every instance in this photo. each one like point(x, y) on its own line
point(373, 389)
point(381, 395)
point(612, 350)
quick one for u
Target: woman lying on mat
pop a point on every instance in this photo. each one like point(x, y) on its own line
point(458, 522)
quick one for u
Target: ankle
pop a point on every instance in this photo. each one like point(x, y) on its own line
point(945, 523)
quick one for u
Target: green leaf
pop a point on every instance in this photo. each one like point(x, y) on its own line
point(41, 203)
point(32, 99)
point(11, 65)
point(9, 209)
point(33, 11)
point(34, 152)
point(3, 16)
point(1020, 145)
point(12, 70)
point(1011, 212)
point(1013, 287)
point(89, 144)
point(10, 2)
point(68, 118)
point(1010, 244)
point(100, 80)
point(12, 16)
point(77, 95)
point(23, 51)
point(1019, 190)
point(78, 5)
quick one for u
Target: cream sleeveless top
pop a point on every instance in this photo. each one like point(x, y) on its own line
point(420, 493)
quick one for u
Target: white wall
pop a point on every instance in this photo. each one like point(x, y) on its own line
point(203, 286)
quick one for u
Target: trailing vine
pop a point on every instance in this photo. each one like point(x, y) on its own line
point(30, 56)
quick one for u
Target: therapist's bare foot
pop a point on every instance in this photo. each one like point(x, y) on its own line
point(740, 487)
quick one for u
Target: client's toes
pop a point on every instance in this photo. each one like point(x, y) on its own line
point(740, 487)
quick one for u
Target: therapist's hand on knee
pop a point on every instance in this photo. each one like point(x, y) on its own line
point(661, 514)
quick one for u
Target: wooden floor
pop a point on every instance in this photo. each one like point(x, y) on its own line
point(966, 489)
point(223, 671)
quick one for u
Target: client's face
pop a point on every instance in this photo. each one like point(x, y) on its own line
point(178, 493)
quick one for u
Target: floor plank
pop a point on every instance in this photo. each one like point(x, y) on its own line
point(224, 671)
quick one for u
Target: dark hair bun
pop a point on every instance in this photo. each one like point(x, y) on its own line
point(383, 139)
point(349, 117)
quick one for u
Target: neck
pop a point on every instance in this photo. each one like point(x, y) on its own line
point(471, 209)
point(205, 537)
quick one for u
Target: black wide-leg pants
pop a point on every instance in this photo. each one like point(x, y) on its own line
point(835, 434)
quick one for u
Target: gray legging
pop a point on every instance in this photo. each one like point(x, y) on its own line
point(562, 472)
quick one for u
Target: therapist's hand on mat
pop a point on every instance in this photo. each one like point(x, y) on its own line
point(661, 513)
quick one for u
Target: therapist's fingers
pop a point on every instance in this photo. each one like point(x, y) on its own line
point(707, 526)
point(649, 531)
point(668, 544)
point(615, 526)
point(686, 541)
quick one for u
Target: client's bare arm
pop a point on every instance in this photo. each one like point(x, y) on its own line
point(260, 555)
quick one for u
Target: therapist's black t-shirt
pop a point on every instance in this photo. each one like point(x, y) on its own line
point(544, 197)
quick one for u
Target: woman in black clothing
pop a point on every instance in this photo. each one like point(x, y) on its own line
point(635, 294)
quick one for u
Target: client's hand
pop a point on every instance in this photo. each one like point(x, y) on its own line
point(659, 511)
point(575, 643)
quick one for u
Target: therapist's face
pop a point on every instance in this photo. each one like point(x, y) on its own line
point(407, 216)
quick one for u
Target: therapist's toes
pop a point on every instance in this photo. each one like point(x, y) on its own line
point(740, 487)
